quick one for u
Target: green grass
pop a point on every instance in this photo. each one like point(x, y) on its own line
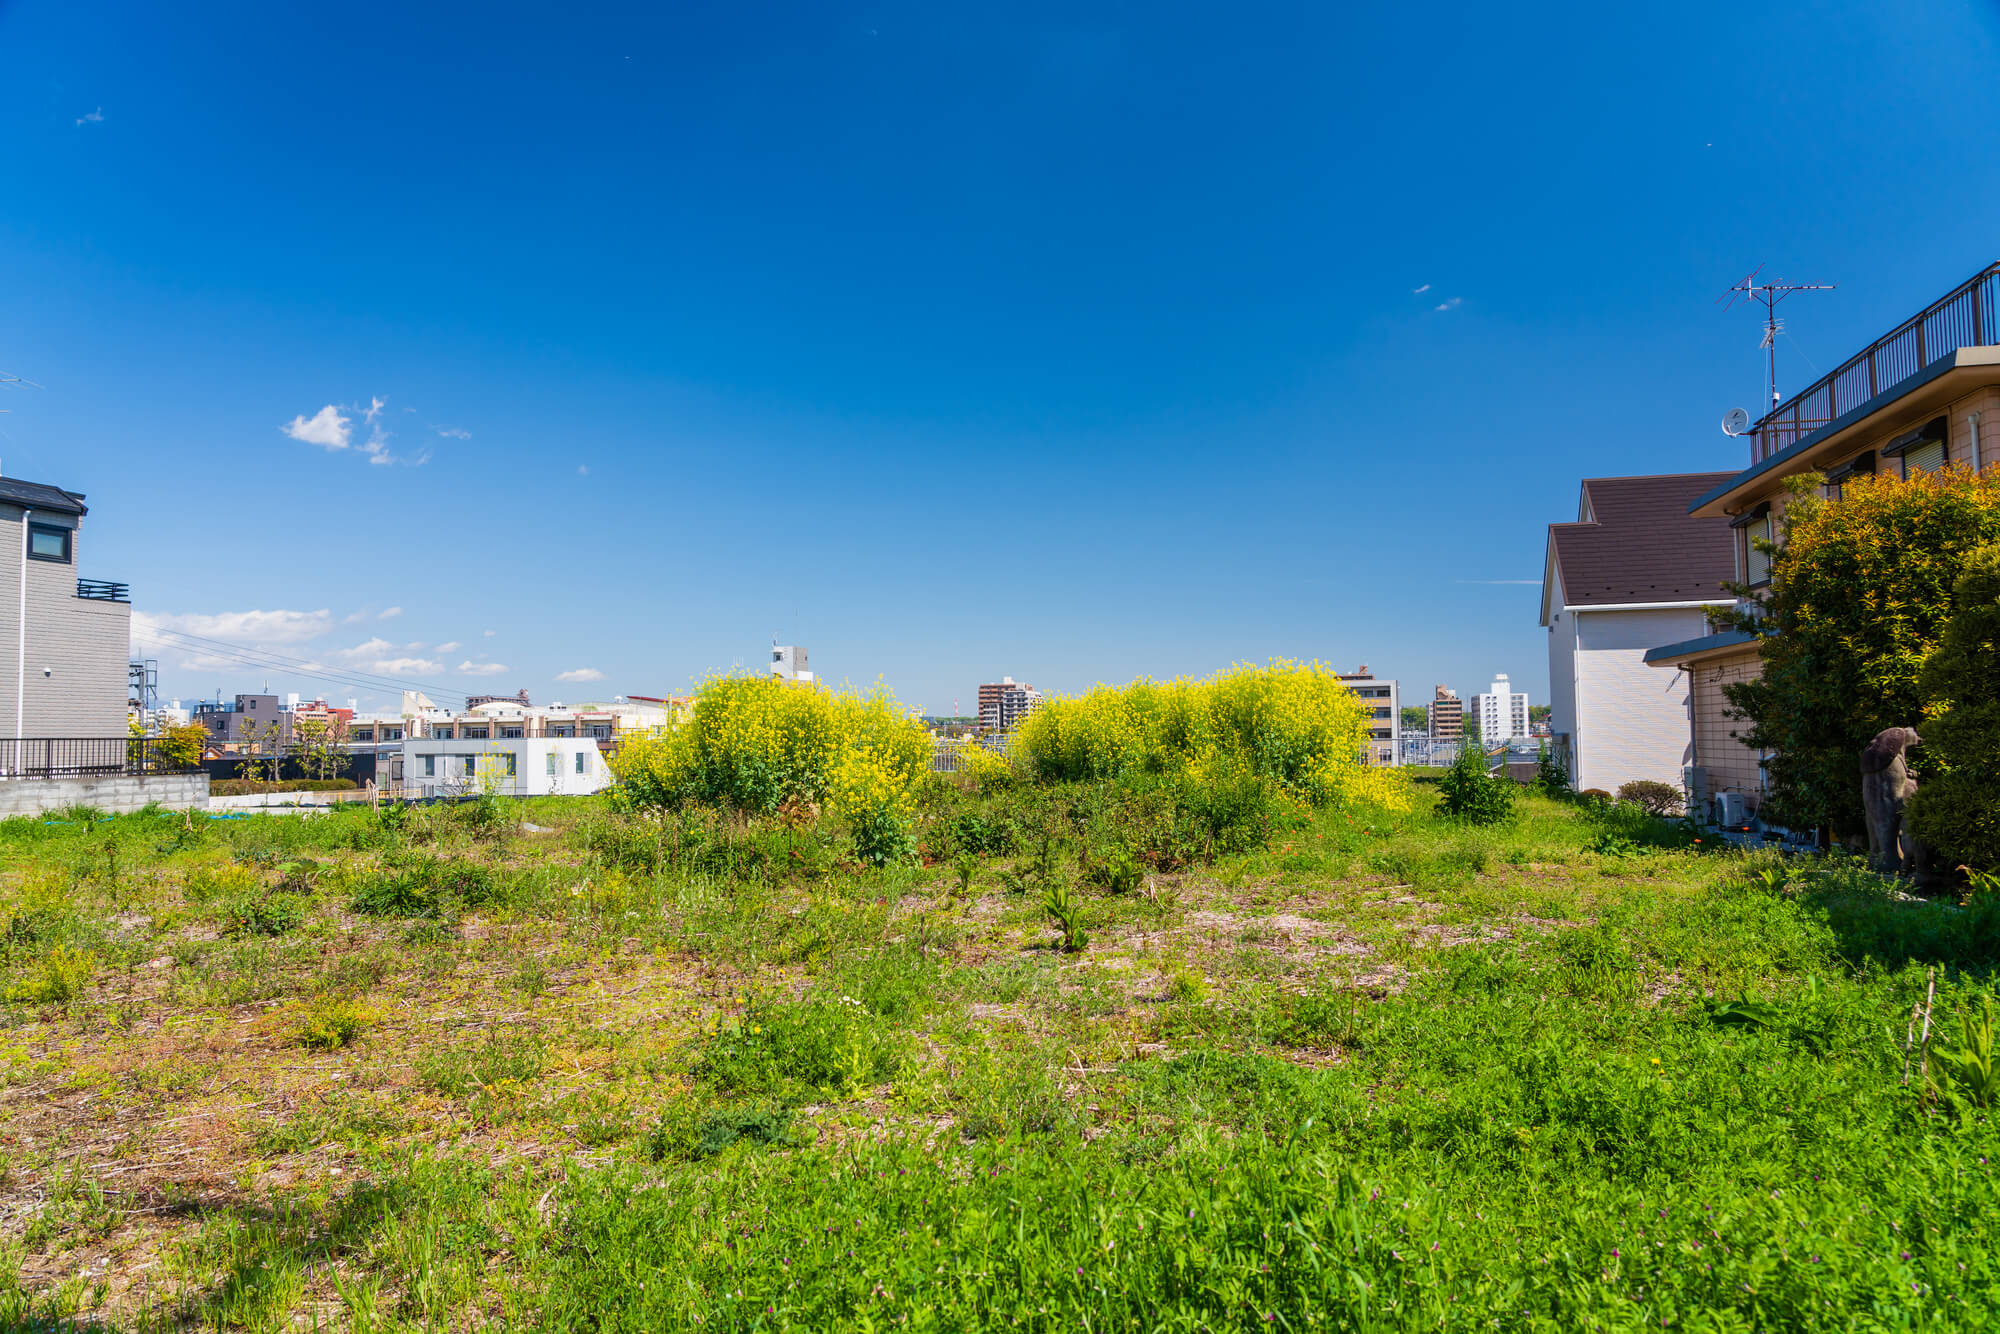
point(1371, 1072)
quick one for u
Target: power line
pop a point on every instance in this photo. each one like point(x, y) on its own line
point(243, 656)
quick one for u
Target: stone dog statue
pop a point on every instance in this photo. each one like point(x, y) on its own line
point(1886, 787)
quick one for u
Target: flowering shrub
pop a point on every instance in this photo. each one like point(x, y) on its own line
point(872, 794)
point(1293, 724)
point(755, 743)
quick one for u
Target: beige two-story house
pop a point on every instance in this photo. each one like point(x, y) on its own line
point(64, 640)
point(1925, 394)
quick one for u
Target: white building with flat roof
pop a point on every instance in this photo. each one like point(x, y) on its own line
point(1502, 712)
point(507, 767)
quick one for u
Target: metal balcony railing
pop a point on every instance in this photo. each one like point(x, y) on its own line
point(63, 757)
point(103, 590)
point(1967, 316)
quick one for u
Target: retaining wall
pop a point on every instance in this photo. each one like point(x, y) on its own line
point(114, 794)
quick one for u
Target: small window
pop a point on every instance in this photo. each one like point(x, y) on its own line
point(579, 761)
point(471, 765)
point(47, 542)
point(430, 766)
point(1927, 457)
point(551, 758)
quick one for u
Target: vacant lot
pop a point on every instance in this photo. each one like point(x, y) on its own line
point(552, 1066)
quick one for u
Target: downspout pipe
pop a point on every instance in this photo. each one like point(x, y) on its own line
point(21, 644)
point(1977, 461)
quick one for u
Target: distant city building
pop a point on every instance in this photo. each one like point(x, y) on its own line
point(1383, 700)
point(1501, 713)
point(1005, 702)
point(474, 701)
point(246, 719)
point(788, 663)
point(1447, 720)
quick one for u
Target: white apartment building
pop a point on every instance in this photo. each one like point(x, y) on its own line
point(788, 663)
point(511, 767)
point(1502, 712)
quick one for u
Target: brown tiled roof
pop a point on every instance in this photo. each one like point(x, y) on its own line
point(1643, 545)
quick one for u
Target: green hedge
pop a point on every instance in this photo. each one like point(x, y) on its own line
point(243, 787)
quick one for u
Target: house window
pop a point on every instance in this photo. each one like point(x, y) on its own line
point(430, 766)
point(471, 765)
point(508, 768)
point(392, 734)
point(510, 732)
point(475, 734)
point(363, 734)
point(47, 542)
point(550, 760)
point(1755, 527)
point(1927, 457)
point(579, 761)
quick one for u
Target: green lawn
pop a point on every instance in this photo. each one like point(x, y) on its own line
point(1378, 1072)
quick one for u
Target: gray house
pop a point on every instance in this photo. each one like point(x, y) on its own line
point(64, 641)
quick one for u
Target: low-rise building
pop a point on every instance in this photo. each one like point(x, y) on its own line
point(64, 654)
point(789, 664)
point(540, 766)
point(1634, 571)
point(1923, 395)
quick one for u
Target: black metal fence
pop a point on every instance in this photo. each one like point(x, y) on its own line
point(1967, 316)
point(66, 756)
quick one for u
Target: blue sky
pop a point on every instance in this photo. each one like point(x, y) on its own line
point(1070, 342)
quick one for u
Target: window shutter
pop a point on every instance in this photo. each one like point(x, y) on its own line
point(1927, 457)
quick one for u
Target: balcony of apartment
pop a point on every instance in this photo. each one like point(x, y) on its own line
point(103, 590)
point(1966, 316)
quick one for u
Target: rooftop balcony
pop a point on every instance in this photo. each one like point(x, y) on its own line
point(1967, 316)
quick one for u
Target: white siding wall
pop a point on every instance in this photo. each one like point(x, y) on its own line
point(1632, 720)
point(532, 764)
point(1562, 677)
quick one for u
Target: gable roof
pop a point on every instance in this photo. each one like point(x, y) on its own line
point(1638, 543)
point(37, 495)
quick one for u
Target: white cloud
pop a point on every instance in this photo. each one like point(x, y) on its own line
point(255, 627)
point(470, 668)
point(451, 647)
point(581, 674)
point(1449, 303)
point(325, 428)
point(405, 667)
point(388, 613)
point(375, 405)
point(583, 470)
point(92, 118)
point(487, 633)
point(1419, 291)
point(453, 432)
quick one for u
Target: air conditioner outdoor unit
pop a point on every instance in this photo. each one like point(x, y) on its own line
point(1732, 810)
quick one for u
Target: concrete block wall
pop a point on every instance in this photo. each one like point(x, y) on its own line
point(114, 794)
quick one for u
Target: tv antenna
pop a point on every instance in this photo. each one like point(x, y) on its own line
point(1769, 295)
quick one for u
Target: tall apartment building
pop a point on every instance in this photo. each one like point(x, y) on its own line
point(1501, 712)
point(1447, 715)
point(64, 654)
point(788, 663)
point(1005, 702)
point(1383, 700)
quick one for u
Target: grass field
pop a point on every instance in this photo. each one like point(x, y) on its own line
point(445, 1071)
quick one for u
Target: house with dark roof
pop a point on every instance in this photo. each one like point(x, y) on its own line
point(65, 641)
point(1635, 571)
point(1924, 395)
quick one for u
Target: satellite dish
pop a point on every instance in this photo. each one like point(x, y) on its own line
point(1736, 422)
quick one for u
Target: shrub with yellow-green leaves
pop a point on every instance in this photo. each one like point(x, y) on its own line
point(1293, 724)
point(756, 743)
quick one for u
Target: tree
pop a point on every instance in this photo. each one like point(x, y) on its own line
point(319, 745)
point(1538, 713)
point(1956, 809)
point(1859, 594)
point(1416, 718)
point(182, 745)
point(1473, 793)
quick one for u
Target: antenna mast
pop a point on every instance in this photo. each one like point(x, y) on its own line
point(1769, 295)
